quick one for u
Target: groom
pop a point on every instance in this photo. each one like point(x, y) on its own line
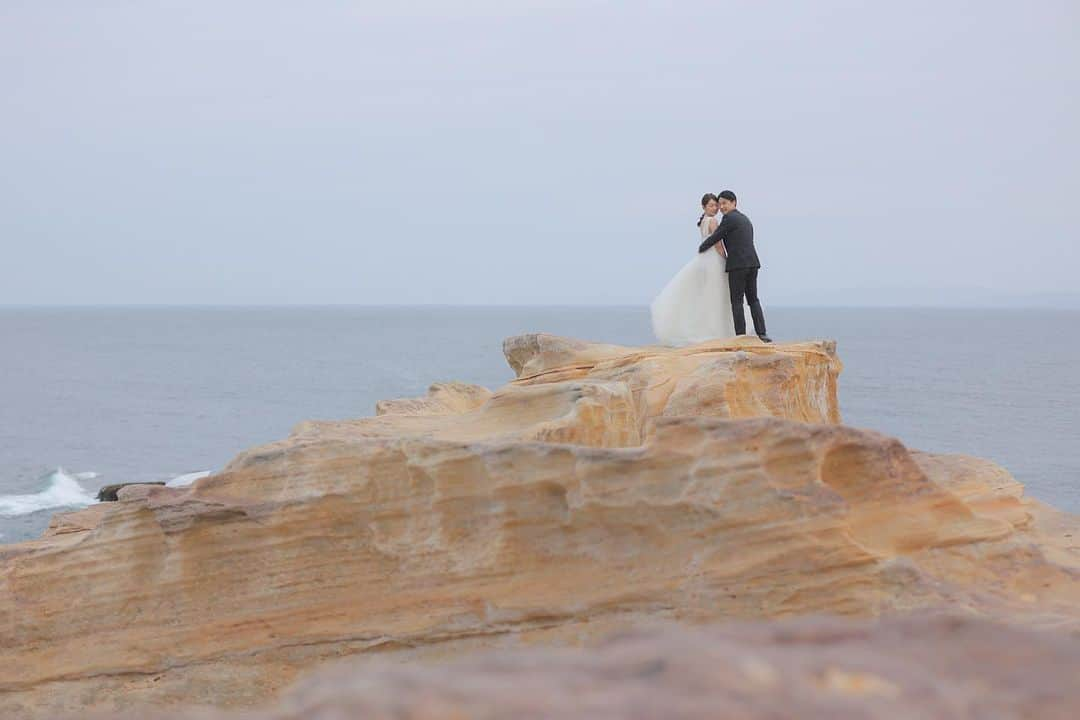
point(736, 237)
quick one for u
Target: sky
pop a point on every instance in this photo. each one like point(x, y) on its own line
point(504, 153)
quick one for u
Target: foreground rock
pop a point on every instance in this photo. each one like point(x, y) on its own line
point(811, 669)
point(605, 488)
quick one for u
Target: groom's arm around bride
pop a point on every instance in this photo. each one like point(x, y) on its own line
point(735, 232)
point(717, 237)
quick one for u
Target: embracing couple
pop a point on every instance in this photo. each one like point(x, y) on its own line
point(704, 301)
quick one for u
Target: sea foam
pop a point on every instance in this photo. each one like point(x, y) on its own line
point(63, 490)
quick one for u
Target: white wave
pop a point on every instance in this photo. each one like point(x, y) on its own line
point(87, 475)
point(187, 478)
point(63, 490)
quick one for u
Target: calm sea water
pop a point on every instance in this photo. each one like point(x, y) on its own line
point(102, 395)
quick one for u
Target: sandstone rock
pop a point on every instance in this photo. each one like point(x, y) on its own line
point(441, 399)
point(738, 378)
point(76, 521)
point(605, 488)
point(109, 493)
point(829, 669)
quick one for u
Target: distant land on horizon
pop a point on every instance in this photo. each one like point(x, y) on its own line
point(959, 298)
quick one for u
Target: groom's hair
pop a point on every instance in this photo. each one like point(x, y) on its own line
point(727, 195)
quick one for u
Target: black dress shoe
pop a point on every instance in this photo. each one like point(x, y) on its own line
point(765, 338)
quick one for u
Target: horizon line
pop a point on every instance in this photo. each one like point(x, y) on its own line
point(785, 305)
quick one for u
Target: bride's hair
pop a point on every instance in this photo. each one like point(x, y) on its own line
point(705, 200)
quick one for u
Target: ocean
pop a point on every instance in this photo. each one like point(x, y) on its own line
point(93, 396)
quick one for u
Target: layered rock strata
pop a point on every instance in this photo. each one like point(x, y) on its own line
point(604, 488)
point(812, 668)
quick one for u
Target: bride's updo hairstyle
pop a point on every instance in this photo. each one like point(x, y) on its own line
point(705, 200)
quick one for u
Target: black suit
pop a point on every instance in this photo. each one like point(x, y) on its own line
point(737, 233)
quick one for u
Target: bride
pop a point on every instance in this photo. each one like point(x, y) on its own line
point(695, 305)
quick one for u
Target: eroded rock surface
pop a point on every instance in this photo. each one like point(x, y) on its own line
point(605, 488)
point(814, 668)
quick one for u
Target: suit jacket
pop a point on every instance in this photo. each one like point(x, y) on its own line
point(737, 232)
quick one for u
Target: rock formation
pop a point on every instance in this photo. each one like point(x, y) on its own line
point(811, 668)
point(605, 488)
point(110, 493)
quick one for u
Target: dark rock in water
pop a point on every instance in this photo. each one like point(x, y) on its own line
point(108, 492)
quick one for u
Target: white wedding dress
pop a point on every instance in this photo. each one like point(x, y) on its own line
point(695, 305)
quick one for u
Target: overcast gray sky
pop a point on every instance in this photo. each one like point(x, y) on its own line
point(489, 152)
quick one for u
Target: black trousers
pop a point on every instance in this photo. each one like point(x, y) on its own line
point(743, 283)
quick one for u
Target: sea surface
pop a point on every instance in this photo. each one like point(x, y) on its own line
point(92, 396)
